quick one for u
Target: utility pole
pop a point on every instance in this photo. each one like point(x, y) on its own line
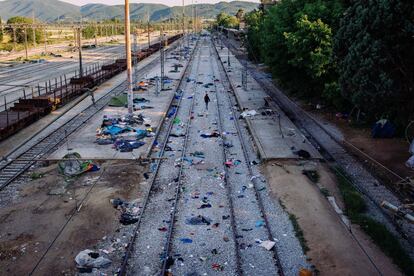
point(96, 35)
point(148, 30)
point(25, 42)
point(128, 58)
point(45, 40)
point(135, 57)
point(195, 15)
point(228, 56)
point(34, 30)
point(80, 52)
point(162, 58)
point(14, 39)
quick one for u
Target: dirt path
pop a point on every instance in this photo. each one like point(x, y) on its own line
point(333, 251)
point(29, 225)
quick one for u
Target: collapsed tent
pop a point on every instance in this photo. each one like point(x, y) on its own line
point(74, 166)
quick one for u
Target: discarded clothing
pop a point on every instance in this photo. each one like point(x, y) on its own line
point(186, 240)
point(210, 135)
point(303, 153)
point(267, 244)
point(129, 210)
point(198, 220)
point(383, 129)
point(249, 113)
point(91, 259)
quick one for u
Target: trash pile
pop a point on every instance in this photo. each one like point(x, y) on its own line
point(121, 132)
point(122, 101)
point(74, 166)
point(248, 113)
point(87, 259)
point(129, 210)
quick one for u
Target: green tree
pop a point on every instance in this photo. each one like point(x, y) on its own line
point(20, 30)
point(297, 46)
point(254, 21)
point(225, 20)
point(374, 49)
point(88, 32)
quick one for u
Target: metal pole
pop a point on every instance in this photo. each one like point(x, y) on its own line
point(96, 36)
point(135, 58)
point(162, 58)
point(45, 40)
point(128, 57)
point(33, 30)
point(80, 52)
point(148, 30)
point(25, 43)
point(228, 56)
point(14, 39)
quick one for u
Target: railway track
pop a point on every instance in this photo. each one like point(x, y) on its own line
point(11, 170)
point(165, 210)
point(23, 78)
point(334, 151)
point(247, 161)
point(149, 202)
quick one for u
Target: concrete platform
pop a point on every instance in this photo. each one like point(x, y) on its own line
point(274, 138)
point(83, 141)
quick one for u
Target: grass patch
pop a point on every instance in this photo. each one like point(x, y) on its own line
point(325, 192)
point(35, 175)
point(299, 233)
point(296, 227)
point(312, 175)
point(355, 209)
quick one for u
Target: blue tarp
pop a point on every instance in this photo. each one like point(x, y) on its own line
point(383, 129)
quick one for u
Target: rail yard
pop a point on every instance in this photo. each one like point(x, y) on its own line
point(180, 156)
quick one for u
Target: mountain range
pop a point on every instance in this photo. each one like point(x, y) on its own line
point(54, 10)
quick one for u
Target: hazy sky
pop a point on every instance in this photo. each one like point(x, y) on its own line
point(165, 2)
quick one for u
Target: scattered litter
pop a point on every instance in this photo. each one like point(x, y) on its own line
point(186, 240)
point(249, 113)
point(303, 153)
point(129, 210)
point(259, 223)
point(210, 135)
point(217, 267)
point(247, 229)
point(198, 220)
point(91, 259)
point(208, 205)
point(267, 244)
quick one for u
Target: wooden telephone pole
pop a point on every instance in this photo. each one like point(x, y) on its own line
point(128, 58)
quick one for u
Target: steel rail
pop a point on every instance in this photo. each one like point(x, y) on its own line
point(167, 246)
point(13, 169)
point(123, 268)
point(259, 199)
point(329, 158)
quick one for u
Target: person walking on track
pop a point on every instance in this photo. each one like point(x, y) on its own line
point(206, 100)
